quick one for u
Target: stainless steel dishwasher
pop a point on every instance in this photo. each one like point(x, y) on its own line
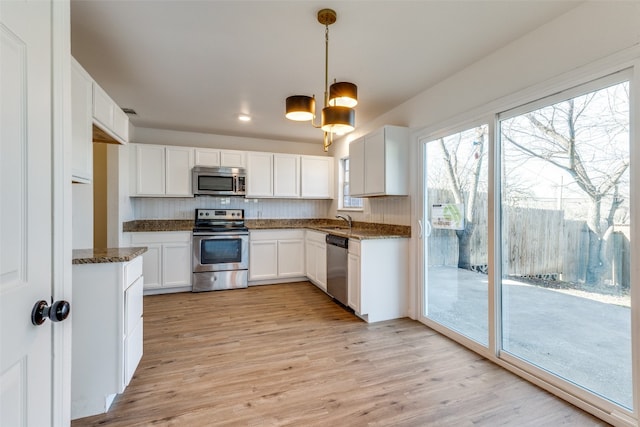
point(337, 267)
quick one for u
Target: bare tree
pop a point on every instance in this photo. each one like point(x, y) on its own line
point(465, 178)
point(463, 162)
point(587, 138)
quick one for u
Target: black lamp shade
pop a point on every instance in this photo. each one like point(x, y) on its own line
point(300, 108)
point(338, 120)
point(343, 94)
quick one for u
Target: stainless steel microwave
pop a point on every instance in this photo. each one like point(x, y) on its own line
point(208, 181)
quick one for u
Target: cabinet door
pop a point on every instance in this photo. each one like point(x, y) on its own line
point(151, 266)
point(291, 258)
point(286, 175)
point(321, 265)
point(179, 162)
point(121, 124)
point(133, 305)
point(232, 159)
point(263, 259)
point(357, 167)
point(259, 174)
point(310, 260)
point(81, 122)
point(176, 264)
point(353, 280)
point(148, 170)
point(103, 107)
point(316, 176)
point(133, 351)
point(207, 157)
point(374, 157)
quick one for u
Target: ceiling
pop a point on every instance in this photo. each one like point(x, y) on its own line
point(196, 65)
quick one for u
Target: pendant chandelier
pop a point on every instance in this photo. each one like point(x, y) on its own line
point(338, 116)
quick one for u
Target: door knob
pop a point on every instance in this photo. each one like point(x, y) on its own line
point(58, 311)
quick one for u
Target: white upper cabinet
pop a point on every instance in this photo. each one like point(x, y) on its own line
point(207, 157)
point(286, 175)
point(147, 170)
point(105, 121)
point(233, 159)
point(81, 134)
point(178, 165)
point(316, 177)
point(108, 116)
point(379, 163)
point(212, 157)
point(289, 176)
point(259, 174)
point(159, 170)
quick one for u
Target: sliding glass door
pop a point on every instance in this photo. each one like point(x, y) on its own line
point(456, 233)
point(565, 251)
point(528, 251)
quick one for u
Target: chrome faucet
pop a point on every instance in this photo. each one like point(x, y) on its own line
point(346, 218)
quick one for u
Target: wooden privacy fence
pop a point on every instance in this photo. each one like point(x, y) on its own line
point(540, 243)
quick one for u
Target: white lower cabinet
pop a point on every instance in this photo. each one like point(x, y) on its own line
point(316, 258)
point(107, 328)
point(167, 262)
point(276, 254)
point(378, 278)
point(263, 257)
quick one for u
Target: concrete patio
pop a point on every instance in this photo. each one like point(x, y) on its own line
point(587, 342)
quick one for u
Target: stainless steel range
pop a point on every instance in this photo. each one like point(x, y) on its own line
point(220, 250)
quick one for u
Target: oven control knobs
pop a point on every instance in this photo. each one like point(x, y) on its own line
point(58, 311)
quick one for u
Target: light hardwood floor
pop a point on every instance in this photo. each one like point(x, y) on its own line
point(288, 355)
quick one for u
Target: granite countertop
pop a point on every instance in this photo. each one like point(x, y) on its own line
point(360, 230)
point(104, 255)
point(158, 225)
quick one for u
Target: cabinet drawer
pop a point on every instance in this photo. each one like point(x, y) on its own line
point(132, 351)
point(142, 238)
point(132, 271)
point(133, 305)
point(316, 236)
point(276, 234)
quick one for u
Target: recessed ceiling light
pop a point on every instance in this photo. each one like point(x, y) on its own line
point(244, 117)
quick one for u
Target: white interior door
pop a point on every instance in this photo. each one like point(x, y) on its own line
point(25, 212)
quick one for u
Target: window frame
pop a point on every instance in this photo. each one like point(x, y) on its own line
point(343, 183)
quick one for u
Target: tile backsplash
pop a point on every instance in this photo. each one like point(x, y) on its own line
point(382, 210)
point(183, 208)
